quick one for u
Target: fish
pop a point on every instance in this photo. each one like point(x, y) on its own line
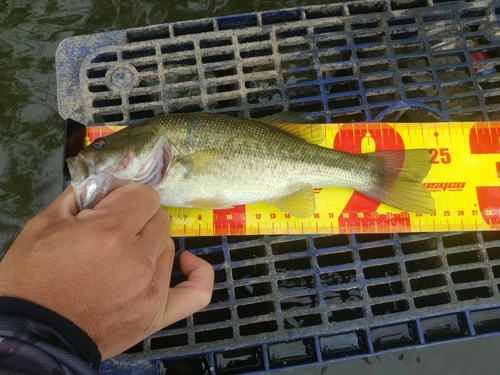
point(215, 161)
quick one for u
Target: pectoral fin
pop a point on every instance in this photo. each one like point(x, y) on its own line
point(300, 204)
point(203, 162)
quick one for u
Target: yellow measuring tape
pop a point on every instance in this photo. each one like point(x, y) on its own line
point(464, 181)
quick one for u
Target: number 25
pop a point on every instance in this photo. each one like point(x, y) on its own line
point(442, 153)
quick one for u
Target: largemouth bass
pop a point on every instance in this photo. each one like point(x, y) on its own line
point(209, 161)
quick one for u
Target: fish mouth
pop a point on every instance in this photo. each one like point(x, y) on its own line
point(91, 185)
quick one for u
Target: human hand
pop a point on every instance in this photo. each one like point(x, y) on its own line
point(106, 269)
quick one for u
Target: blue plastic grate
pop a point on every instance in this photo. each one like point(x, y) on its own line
point(282, 301)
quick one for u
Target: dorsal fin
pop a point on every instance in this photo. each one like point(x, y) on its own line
point(299, 124)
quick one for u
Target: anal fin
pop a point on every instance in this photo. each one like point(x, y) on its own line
point(301, 203)
point(178, 212)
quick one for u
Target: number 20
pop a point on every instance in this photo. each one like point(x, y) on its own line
point(443, 154)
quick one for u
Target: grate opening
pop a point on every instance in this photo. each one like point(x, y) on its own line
point(256, 270)
point(302, 321)
point(193, 27)
point(97, 103)
point(108, 117)
point(340, 277)
point(486, 321)
point(432, 300)
point(464, 257)
point(237, 22)
point(255, 309)
point(372, 237)
point(371, 53)
point(289, 247)
point(401, 21)
point(369, 38)
point(328, 29)
point(423, 264)
point(170, 341)
point(340, 87)
point(213, 335)
point(137, 348)
point(473, 12)
point(292, 265)
point(493, 253)
point(257, 328)
point(211, 316)
point(331, 241)
point(346, 315)
point(143, 98)
point(98, 88)
point(335, 259)
point(239, 361)
point(394, 336)
point(191, 243)
point(179, 324)
point(377, 252)
point(284, 354)
point(252, 290)
point(405, 4)
point(198, 365)
point(491, 236)
point(96, 73)
point(212, 43)
point(219, 295)
point(468, 238)
point(445, 327)
point(474, 293)
point(467, 276)
point(142, 35)
point(326, 11)
point(384, 270)
point(290, 33)
point(254, 38)
point(338, 297)
point(388, 289)
point(137, 54)
point(220, 57)
point(367, 8)
point(343, 345)
point(438, 16)
point(368, 24)
point(256, 53)
point(280, 16)
point(220, 276)
point(427, 282)
point(344, 102)
point(296, 283)
point(248, 253)
point(184, 62)
point(390, 307)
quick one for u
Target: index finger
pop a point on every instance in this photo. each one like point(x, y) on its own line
point(132, 205)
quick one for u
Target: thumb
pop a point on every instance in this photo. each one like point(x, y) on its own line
point(193, 294)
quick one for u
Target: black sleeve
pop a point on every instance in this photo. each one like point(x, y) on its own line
point(35, 340)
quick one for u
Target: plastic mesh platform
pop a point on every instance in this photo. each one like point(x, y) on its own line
point(293, 300)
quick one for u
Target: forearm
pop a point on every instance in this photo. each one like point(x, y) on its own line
point(35, 340)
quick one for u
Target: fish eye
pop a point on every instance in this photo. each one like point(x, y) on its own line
point(98, 144)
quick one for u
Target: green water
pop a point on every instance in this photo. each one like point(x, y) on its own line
point(31, 130)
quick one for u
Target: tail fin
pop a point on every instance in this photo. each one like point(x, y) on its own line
point(401, 187)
